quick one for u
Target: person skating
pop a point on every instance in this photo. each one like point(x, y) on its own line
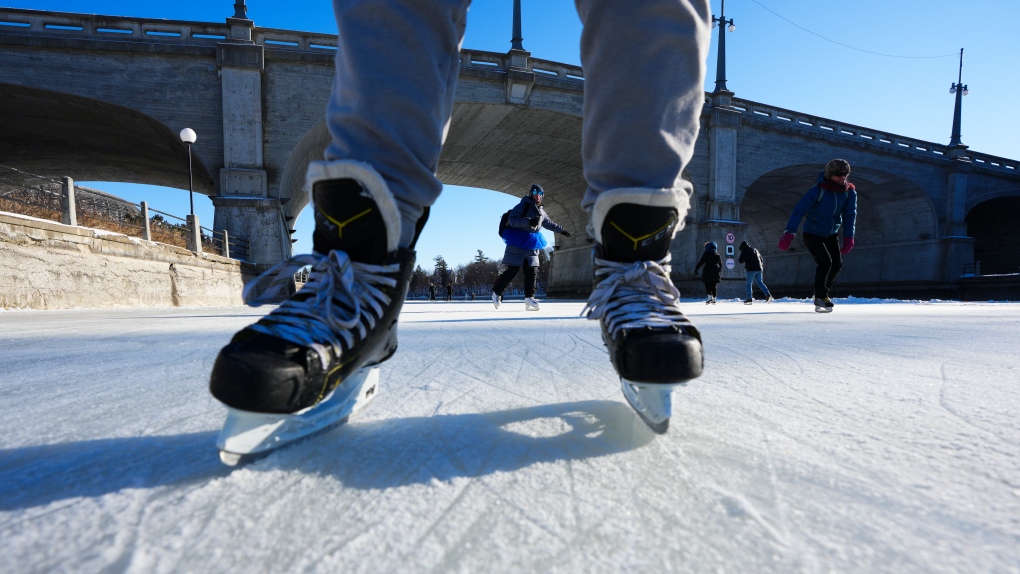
point(712, 262)
point(829, 206)
point(754, 265)
point(387, 115)
point(449, 292)
point(523, 241)
point(432, 292)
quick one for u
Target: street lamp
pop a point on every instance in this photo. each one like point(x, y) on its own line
point(188, 136)
point(960, 90)
point(720, 69)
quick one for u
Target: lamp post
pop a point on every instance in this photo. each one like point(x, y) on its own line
point(960, 90)
point(194, 238)
point(188, 136)
point(720, 69)
point(517, 42)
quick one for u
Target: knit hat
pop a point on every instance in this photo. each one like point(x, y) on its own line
point(711, 246)
point(535, 188)
point(837, 166)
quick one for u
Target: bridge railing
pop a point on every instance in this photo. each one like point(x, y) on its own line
point(110, 27)
point(289, 39)
point(892, 141)
point(46, 198)
point(500, 61)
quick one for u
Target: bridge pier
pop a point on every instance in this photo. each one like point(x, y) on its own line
point(243, 206)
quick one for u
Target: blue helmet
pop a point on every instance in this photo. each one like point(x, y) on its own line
point(711, 246)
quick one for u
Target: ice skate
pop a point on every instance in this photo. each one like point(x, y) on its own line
point(652, 345)
point(748, 301)
point(823, 305)
point(340, 323)
point(496, 300)
point(709, 300)
point(530, 304)
point(770, 299)
point(249, 435)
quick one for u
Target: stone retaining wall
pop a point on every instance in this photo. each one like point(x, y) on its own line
point(47, 265)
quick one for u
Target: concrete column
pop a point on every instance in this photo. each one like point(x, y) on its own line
point(957, 248)
point(723, 124)
point(244, 206)
point(68, 211)
point(146, 229)
point(519, 78)
point(194, 238)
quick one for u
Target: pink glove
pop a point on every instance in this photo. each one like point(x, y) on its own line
point(848, 244)
point(785, 242)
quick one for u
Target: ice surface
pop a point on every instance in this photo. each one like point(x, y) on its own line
point(883, 437)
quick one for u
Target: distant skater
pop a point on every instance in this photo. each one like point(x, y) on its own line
point(432, 292)
point(449, 291)
point(712, 262)
point(829, 206)
point(523, 241)
point(755, 267)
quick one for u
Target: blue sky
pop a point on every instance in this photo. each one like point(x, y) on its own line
point(866, 62)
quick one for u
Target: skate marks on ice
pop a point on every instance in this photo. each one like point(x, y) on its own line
point(39, 475)
point(398, 452)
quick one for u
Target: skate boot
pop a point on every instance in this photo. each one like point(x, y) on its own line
point(748, 301)
point(530, 304)
point(496, 300)
point(317, 349)
point(708, 300)
point(651, 344)
point(823, 305)
point(770, 299)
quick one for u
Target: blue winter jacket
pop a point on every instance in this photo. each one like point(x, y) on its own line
point(825, 211)
point(520, 218)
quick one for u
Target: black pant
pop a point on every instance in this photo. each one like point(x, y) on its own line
point(711, 289)
point(511, 271)
point(825, 250)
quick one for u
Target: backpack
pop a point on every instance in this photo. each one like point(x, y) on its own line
point(502, 222)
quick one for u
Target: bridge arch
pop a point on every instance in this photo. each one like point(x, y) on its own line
point(55, 134)
point(992, 224)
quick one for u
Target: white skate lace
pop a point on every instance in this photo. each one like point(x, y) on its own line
point(635, 295)
point(344, 297)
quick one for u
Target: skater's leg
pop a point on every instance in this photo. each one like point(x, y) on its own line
point(761, 284)
point(831, 245)
point(530, 279)
point(749, 281)
point(639, 130)
point(369, 197)
point(391, 102)
point(505, 278)
point(823, 262)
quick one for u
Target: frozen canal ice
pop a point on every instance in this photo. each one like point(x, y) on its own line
point(883, 437)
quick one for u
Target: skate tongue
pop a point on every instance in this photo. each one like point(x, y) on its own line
point(633, 232)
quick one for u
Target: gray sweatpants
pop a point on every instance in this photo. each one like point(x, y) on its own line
point(644, 65)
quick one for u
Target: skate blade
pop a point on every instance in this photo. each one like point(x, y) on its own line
point(246, 435)
point(653, 403)
point(823, 309)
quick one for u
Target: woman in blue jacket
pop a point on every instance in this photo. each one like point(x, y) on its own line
point(828, 206)
point(523, 240)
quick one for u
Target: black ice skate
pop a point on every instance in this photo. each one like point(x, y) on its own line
point(653, 347)
point(309, 364)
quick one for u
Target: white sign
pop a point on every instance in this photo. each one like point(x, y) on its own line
point(729, 263)
point(730, 238)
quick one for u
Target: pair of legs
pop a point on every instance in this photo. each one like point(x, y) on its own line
point(507, 276)
point(825, 250)
point(754, 277)
point(388, 114)
point(711, 289)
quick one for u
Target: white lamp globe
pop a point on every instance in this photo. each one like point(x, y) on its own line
point(188, 136)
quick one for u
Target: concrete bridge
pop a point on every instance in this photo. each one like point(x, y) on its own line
point(103, 98)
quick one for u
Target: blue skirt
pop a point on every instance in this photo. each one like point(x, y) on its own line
point(521, 239)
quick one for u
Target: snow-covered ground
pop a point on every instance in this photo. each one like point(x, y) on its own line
point(883, 437)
